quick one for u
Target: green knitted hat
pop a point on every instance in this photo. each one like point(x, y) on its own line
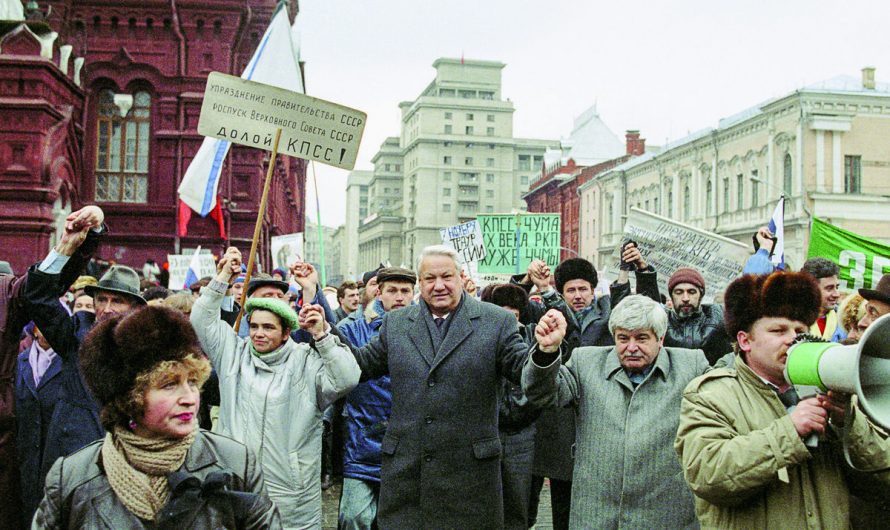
point(282, 309)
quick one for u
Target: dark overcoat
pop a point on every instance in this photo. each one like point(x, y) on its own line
point(441, 452)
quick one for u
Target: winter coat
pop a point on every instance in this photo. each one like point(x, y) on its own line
point(367, 407)
point(702, 330)
point(14, 314)
point(79, 496)
point(34, 405)
point(749, 468)
point(273, 403)
point(441, 451)
point(626, 473)
point(75, 421)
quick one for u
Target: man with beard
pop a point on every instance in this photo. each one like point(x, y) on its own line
point(692, 324)
point(828, 325)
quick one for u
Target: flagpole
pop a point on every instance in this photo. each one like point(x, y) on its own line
point(322, 275)
point(257, 229)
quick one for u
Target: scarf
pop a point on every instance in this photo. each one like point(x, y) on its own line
point(40, 361)
point(830, 326)
point(137, 469)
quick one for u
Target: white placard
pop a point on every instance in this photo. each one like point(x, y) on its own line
point(286, 250)
point(466, 240)
point(179, 265)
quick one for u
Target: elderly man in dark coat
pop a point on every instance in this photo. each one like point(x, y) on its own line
point(446, 356)
point(13, 317)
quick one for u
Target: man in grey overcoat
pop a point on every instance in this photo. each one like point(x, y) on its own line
point(446, 356)
point(627, 398)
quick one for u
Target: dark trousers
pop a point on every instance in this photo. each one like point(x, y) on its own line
point(560, 501)
point(516, 477)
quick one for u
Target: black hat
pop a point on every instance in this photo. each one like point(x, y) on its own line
point(118, 279)
point(396, 274)
point(575, 269)
point(264, 280)
point(881, 293)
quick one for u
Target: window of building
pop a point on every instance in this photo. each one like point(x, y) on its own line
point(486, 95)
point(491, 146)
point(469, 129)
point(489, 209)
point(489, 194)
point(467, 94)
point(447, 128)
point(538, 160)
point(786, 181)
point(123, 149)
point(489, 162)
point(398, 167)
point(489, 131)
point(670, 204)
point(755, 189)
point(446, 160)
point(446, 176)
point(489, 177)
point(469, 116)
point(386, 167)
point(446, 144)
point(489, 118)
point(447, 115)
point(853, 174)
point(654, 205)
point(446, 93)
point(524, 163)
point(709, 197)
point(468, 161)
point(740, 192)
point(725, 195)
point(646, 205)
point(523, 180)
point(446, 192)
point(446, 207)
point(611, 216)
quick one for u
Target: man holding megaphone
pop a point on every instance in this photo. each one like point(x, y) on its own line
point(742, 429)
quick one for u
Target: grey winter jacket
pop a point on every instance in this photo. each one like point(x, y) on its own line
point(78, 494)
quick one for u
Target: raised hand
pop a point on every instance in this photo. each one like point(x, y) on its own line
point(307, 277)
point(550, 331)
point(229, 267)
point(312, 320)
point(87, 217)
point(632, 255)
point(539, 275)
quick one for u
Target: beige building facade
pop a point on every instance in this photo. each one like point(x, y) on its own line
point(357, 184)
point(824, 147)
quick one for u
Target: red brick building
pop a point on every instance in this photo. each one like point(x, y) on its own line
point(557, 190)
point(64, 142)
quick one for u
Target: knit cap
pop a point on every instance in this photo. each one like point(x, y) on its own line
point(687, 275)
point(274, 305)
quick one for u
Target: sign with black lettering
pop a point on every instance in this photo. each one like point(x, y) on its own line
point(536, 235)
point(668, 245)
point(248, 113)
point(466, 240)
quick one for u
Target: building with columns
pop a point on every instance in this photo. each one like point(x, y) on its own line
point(823, 146)
point(100, 103)
point(357, 183)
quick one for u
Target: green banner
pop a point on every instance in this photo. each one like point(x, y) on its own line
point(537, 234)
point(862, 260)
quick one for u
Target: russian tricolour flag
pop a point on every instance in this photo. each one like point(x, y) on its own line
point(275, 62)
point(777, 227)
point(191, 275)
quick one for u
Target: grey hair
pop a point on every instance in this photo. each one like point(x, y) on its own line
point(438, 250)
point(639, 312)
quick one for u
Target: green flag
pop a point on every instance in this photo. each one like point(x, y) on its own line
point(862, 260)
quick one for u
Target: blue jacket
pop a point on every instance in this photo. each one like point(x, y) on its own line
point(367, 407)
point(34, 407)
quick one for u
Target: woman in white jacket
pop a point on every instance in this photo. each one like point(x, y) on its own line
point(273, 390)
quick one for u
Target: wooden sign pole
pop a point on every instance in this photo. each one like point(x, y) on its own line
point(258, 228)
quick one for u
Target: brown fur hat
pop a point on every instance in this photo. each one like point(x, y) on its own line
point(120, 348)
point(792, 295)
point(506, 295)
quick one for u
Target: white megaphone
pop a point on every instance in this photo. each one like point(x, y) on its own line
point(862, 369)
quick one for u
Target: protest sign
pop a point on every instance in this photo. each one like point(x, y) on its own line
point(248, 113)
point(286, 250)
point(668, 245)
point(179, 266)
point(466, 240)
point(538, 238)
point(862, 260)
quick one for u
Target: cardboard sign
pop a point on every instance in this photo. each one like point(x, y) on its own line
point(668, 245)
point(538, 238)
point(286, 250)
point(466, 240)
point(179, 265)
point(248, 113)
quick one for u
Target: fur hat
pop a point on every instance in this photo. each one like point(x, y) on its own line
point(119, 349)
point(686, 275)
point(508, 295)
point(792, 295)
point(574, 269)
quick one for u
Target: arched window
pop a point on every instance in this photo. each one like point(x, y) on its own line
point(787, 175)
point(687, 202)
point(709, 197)
point(122, 149)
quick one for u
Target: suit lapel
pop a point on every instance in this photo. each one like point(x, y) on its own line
point(420, 334)
point(27, 374)
point(458, 330)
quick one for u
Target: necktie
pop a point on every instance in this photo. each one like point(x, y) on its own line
point(789, 398)
point(439, 321)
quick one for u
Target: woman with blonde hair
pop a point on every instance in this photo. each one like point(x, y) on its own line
point(154, 468)
point(851, 311)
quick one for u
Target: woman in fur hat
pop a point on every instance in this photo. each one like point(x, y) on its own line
point(154, 468)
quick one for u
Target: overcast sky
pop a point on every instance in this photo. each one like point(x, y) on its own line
point(665, 68)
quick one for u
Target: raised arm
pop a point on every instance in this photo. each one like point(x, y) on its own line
point(338, 373)
point(218, 340)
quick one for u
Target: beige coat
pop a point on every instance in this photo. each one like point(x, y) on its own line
point(749, 468)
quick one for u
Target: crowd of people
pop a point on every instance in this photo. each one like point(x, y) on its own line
point(127, 404)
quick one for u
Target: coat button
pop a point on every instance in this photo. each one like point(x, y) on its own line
point(431, 383)
point(429, 419)
point(428, 458)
